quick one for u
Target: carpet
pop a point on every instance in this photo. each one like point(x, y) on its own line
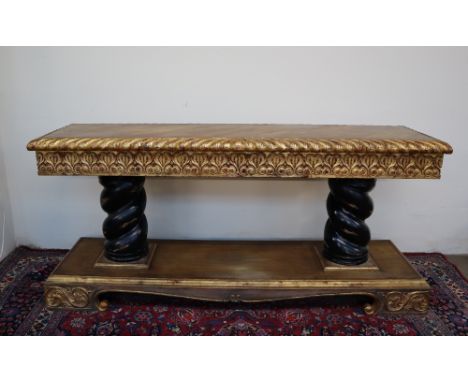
point(22, 310)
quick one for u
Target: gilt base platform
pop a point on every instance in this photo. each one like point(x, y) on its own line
point(346, 262)
point(238, 271)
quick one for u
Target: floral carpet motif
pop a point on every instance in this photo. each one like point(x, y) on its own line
point(22, 309)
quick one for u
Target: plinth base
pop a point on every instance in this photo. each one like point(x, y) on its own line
point(238, 271)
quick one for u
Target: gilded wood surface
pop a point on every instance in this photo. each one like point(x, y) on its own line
point(336, 145)
point(238, 271)
point(239, 264)
point(234, 164)
point(398, 301)
point(277, 151)
point(67, 297)
point(239, 137)
point(94, 296)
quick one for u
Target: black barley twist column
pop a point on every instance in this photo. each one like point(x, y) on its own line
point(346, 233)
point(126, 228)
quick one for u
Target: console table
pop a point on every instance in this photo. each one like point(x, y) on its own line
point(346, 262)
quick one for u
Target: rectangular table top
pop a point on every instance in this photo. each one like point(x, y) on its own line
point(239, 137)
point(239, 150)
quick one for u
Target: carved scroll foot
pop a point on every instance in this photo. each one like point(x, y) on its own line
point(74, 297)
point(102, 305)
point(374, 306)
point(68, 297)
point(398, 302)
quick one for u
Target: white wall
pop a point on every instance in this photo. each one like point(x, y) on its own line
point(425, 88)
point(7, 234)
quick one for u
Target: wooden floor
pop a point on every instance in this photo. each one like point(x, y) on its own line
point(461, 261)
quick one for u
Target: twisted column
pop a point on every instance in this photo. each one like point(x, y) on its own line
point(126, 228)
point(346, 233)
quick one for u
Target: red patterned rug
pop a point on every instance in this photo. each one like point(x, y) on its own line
point(22, 311)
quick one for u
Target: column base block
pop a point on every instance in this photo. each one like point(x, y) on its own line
point(143, 263)
point(237, 271)
point(328, 265)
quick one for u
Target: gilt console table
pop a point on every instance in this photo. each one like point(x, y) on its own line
point(346, 262)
